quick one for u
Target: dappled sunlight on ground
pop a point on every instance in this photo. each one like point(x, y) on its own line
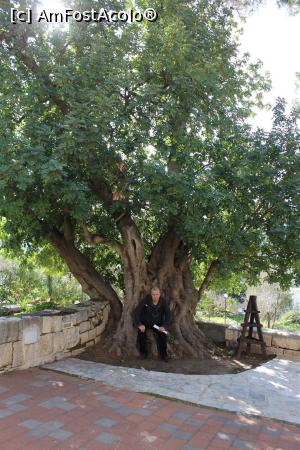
point(271, 390)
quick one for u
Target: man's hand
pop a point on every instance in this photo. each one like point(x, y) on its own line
point(142, 328)
point(162, 329)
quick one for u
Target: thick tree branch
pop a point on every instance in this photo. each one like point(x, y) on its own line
point(95, 239)
point(258, 209)
point(102, 190)
point(163, 253)
point(44, 78)
point(34, 68)
point(105, 193)
point(93, 284)
point(209, 275)
point(68, 229)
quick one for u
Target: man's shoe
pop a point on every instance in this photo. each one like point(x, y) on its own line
point(143, 356)
point(165, 359)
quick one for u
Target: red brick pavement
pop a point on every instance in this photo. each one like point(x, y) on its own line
point(42, 410)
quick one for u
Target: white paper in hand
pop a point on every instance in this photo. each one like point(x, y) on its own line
point(157, 328)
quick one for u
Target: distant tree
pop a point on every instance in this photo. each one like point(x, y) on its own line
point(23, 284)
point(272, 301)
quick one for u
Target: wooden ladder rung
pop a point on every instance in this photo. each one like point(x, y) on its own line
point(251, 340)
point(251, 320)
point(251, 325)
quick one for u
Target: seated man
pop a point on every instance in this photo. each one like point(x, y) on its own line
point(153, 312)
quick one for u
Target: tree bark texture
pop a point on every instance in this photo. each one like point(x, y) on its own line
point(91, 281)
point(166, 268)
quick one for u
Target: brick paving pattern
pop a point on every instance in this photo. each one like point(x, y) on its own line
point(43, 410)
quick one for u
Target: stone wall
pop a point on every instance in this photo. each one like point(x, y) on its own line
point(34, 339)
point(281, 343)
point(214, 331)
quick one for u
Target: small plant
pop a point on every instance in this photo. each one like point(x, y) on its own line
point(34, 288)
point(207, 308)
point(290, 317)
point(289, 321)
point(44, 305)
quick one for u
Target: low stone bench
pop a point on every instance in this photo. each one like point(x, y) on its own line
point(278, 342)
point(33, 339)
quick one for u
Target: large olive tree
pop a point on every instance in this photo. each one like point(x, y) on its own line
point(124, 146)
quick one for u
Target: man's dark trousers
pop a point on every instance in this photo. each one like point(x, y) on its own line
point(161, 340)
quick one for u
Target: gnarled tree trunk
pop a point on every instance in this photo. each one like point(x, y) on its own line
point(168, 269)
point(91, 281)
point(136, 282)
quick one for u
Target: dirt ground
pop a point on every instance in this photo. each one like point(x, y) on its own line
point(221, 364)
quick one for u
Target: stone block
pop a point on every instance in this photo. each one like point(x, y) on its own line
point(106, 311)
point(32, 356)
point(6, 354)
point(214, 331)
point(232, 334)
point(255, 348)
point(10, 329)
point(45, 344)
point(98, 339)
point(99, 317)
point(90, 343)
point(52, 324)
point(32, 320)
point(31, 333)
point(274, 351)
point(231, 344)
point(18, 354)
point(81, 316)
point(291, 354)
point(78, 351)
point(98, 306)
point(71, 336)
point(94, 321)
point(62, 355)
point(92, 334)
point(84, 337)
point(39, 352)
point(267, 337)
point(102, 323)
point(69, 320)
point(58, 342)
point(100, 328)
point(286, 340)
point(294, 342)
point(84, 326)
point(91, 313)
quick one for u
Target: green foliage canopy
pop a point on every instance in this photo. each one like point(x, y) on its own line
point(156, 111)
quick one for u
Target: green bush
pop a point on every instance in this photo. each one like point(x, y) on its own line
point(208, 308)
point(289, 321)
point(34, 289)
point(290, 317)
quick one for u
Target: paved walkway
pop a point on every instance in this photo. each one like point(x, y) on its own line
point(45, 410)
point(271, 390)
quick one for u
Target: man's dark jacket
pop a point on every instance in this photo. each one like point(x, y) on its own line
point(146, 313)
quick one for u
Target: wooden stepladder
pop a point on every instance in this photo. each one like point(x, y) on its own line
point(251, 321)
